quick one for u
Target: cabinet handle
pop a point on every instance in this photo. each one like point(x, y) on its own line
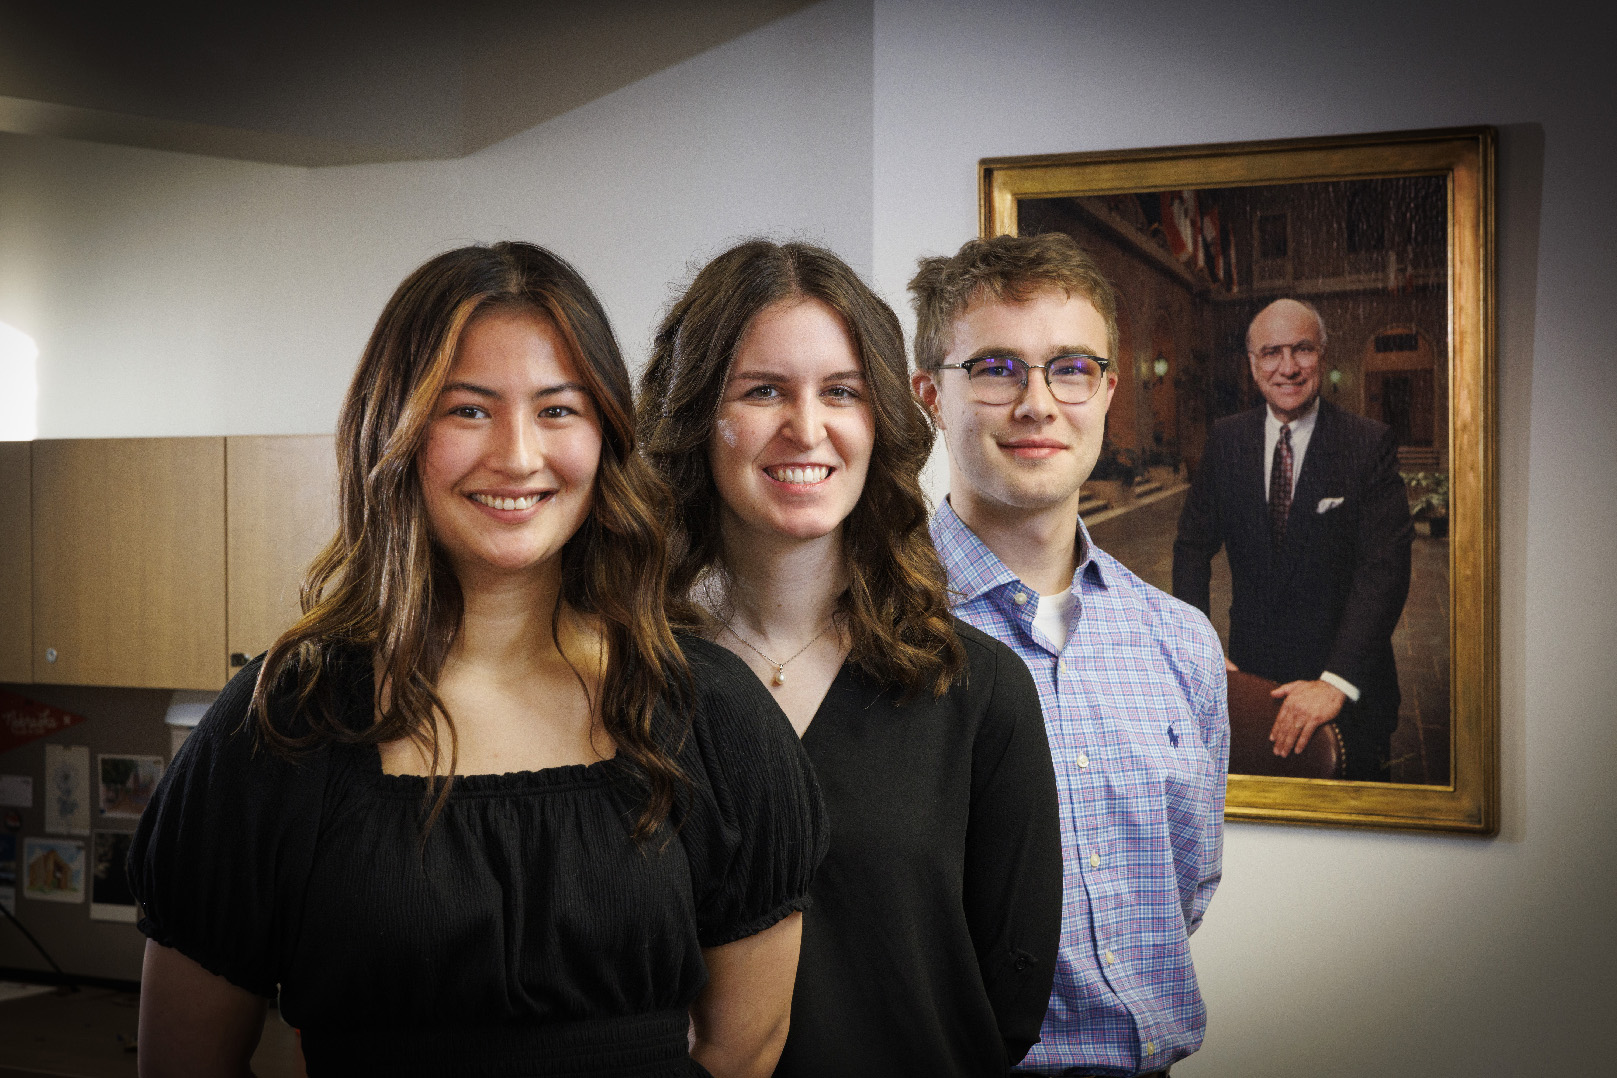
point(238, 659)
point(50, 655)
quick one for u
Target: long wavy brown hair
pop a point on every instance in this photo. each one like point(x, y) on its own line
point(383, 587)
point(896, 607)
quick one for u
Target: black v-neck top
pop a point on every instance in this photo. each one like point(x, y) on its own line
point(932, 944)
point(528, 934)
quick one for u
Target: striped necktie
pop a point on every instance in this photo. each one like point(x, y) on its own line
point(1280, 486)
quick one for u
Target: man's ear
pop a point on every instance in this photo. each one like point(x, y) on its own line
point(926, 391)
point(1111, 387)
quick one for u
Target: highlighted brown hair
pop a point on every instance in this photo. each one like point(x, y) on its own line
point(1004, 267)
point(381, 585)
point(896, 608)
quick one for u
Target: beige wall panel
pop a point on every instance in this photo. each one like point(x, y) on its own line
point(16, 564)
point(281, 510)
point(129, 562)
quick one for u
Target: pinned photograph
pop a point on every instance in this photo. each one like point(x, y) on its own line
point(54, 869)
point(127, 783)
point(110, 896)
point(67, 789)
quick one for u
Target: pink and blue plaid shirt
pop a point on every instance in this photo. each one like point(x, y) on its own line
point(1136, 709)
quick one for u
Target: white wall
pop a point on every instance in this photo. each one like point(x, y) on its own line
point(183, 295)
point(1334, 952)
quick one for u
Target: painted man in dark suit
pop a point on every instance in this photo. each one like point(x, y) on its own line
point(1308, 503)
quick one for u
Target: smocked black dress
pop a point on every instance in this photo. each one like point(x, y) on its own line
point(528, 935)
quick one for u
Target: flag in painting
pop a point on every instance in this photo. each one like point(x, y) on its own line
point(1182, 225)
point(1214, 243)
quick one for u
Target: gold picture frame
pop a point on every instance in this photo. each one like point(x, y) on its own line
point(1440, 267)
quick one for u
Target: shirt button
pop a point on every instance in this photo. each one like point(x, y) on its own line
point(1083, 760)
point(1150, 1048)
point(1094, 860)
point(1111, 959)
point(1019, 598)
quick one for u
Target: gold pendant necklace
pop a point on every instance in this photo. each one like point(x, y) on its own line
point(780, 667)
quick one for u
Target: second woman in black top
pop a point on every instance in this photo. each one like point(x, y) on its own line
point(777, 404)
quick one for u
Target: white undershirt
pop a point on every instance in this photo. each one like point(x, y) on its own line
point(1302, 428)
point(1053, 618)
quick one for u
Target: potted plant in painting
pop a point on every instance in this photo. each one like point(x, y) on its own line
point(1429, 500)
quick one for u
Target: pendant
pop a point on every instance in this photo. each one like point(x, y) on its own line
point(780, 675)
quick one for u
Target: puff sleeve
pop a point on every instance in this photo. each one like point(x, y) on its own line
point(223, 849)
point(756, 829)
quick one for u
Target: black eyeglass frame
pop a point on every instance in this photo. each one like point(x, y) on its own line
point(1028, 369)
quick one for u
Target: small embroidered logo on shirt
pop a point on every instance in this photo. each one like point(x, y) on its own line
point(1173, 738)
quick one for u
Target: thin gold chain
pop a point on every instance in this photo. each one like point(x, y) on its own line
point(780, 667)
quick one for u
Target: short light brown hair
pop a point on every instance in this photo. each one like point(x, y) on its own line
point(1004, 267)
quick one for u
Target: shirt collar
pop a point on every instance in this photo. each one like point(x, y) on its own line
point(1301, 427)
point(975, 570)
point(1089, 564)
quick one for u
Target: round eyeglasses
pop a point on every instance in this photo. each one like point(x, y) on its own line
point(1305, 353)
point(1072, 379)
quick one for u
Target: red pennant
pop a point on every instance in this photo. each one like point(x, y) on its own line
point(23, 720)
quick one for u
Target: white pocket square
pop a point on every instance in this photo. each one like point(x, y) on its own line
point(1327, 504)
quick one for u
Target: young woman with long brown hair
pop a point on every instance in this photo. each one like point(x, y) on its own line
point(480, 812)
point(777, 403)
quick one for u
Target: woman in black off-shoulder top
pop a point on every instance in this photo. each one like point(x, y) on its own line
point(480, 812)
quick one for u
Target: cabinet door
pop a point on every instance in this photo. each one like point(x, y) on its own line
point(281, 510)
point(16, 564)
point(129, 562)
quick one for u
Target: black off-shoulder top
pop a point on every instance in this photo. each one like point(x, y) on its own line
point(528, 934)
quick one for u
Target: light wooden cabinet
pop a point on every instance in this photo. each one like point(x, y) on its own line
point(280, 511)
point(16, 563)
point(149, 562)
point(129, 562)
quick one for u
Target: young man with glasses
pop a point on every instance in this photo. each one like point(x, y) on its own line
point(1307, 502)
point(1015, 342)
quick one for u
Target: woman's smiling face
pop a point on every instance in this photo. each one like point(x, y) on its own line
point(794, 432)
point(508, 466)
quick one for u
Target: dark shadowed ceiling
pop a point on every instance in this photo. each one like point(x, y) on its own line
point(339, 82)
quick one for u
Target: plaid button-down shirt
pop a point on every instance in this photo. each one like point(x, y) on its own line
point(1136, 709)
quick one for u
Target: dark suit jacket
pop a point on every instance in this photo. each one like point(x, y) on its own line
point(1330, 596)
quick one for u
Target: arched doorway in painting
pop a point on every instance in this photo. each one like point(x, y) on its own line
point(1404, 389)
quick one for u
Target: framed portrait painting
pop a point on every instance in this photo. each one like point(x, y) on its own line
point(1345, 287)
